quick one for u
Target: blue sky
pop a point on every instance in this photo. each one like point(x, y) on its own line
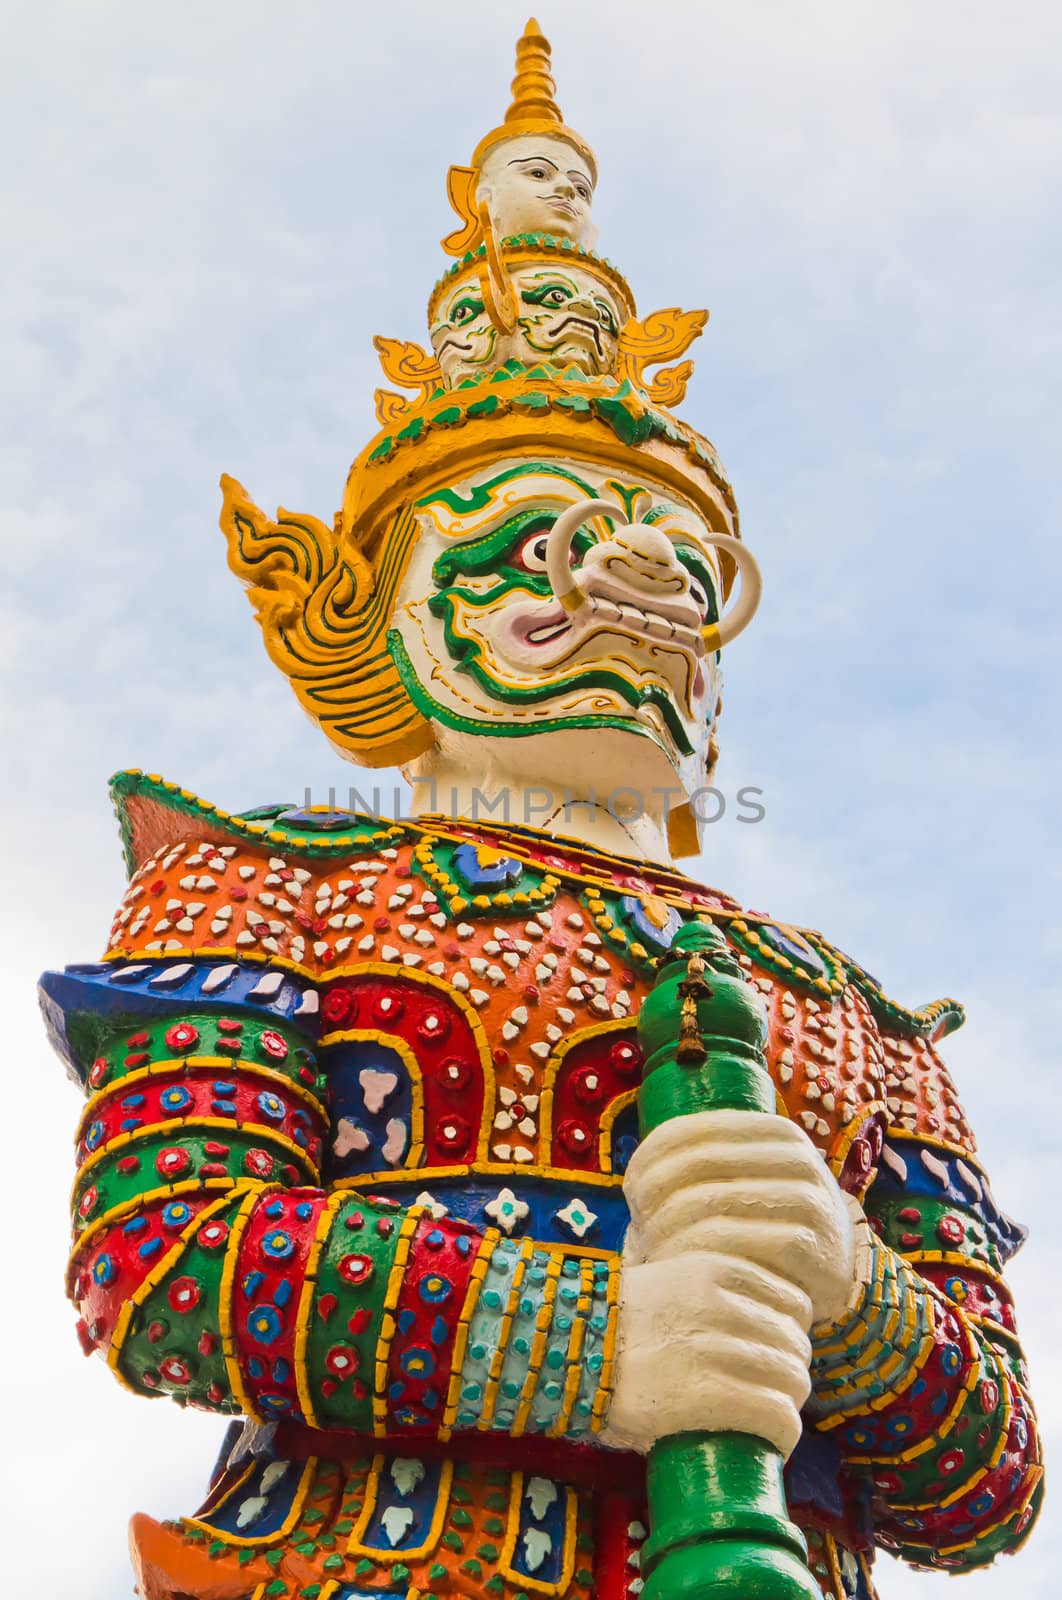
point(214, 209)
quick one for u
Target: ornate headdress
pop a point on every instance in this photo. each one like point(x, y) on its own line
point(324, 596)
point(533, 110)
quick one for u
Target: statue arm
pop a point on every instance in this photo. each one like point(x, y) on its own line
point(211, 1264)
point(923, 1384)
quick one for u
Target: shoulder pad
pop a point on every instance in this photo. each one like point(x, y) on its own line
point(153, 814)
point(807, 960)
point(932, 1021)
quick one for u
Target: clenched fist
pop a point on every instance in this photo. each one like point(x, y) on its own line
point(740, 1240)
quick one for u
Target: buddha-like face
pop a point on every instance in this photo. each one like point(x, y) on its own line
point(484, 645)
point(538, 184)
point(565, 316)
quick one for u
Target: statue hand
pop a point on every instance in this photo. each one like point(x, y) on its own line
point(754, 1187)
point(709, 1343)
point(740, 1239)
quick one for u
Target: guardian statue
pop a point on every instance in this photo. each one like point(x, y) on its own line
point(527, 1205)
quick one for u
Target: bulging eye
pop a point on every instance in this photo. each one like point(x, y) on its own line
point(532, 553)
point(464, 311)
point(554, 297)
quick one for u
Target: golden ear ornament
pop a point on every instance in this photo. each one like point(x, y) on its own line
point(659, 337)
point(461, 184)
point(324, 608)
point(410, 366)
point(499, 296)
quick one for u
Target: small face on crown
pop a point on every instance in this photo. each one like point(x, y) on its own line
point(536, 183)
point(565, 315)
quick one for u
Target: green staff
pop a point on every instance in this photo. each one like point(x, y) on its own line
point(719, 1525)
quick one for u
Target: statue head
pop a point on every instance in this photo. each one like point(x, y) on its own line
point(568, 618)
point(569, 312)
point(532, 174)
point(531, 569)
point(537, 183)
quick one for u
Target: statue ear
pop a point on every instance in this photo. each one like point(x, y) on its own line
point(484, 200)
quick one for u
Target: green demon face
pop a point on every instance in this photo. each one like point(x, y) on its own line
point(485, 646)
point(565, 316)
point(463, 337)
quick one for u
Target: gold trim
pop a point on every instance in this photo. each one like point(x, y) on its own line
point(305, 1308)
point(355, 1547)
point(512, 1535)
point(288, 1526)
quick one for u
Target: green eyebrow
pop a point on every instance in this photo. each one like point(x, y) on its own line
point(535, 297)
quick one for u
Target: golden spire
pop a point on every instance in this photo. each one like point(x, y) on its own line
point(533, 108)
point(533, 86)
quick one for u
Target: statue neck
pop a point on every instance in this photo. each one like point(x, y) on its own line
point(483, 790)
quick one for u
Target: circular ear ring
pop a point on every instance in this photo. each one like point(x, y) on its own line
point(737, 619)
point(559, 545)
point(565, 585)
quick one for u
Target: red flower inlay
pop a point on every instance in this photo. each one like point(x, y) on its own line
point(174, 1370)
point(172, 1160)
point(356, 1268)
point(183, 1295)
point(574, 1136)
point(274, 1044)
point(455, 1072)
point(182, 1036)
point(259, 1163)
point(342, 1360)
point(453, 1133)
point(337, 1006)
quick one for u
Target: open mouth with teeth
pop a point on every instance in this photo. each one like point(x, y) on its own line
point(541, 636)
